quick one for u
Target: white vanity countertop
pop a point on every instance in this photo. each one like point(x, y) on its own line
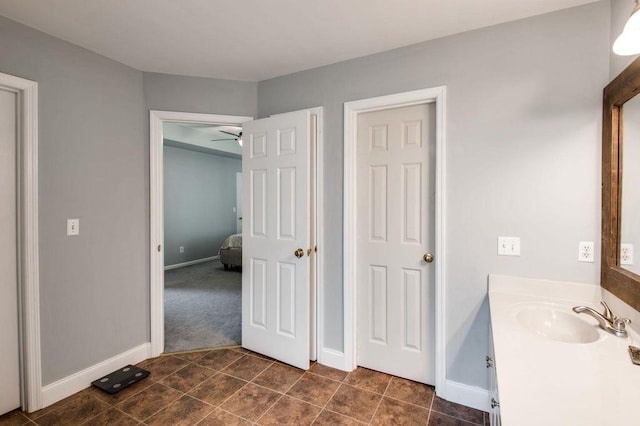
point(547, 382)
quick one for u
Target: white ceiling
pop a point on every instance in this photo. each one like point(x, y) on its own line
point(258, 39)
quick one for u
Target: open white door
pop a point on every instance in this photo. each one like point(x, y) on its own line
point(276, 237)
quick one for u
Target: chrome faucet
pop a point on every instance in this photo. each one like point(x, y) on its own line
point(606, 320)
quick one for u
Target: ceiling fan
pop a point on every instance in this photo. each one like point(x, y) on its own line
point(236, 137)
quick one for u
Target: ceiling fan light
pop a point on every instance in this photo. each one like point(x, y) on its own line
point(240, 140)
point(628, 43)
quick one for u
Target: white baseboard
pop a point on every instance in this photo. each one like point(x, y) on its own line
point(332, 358)
point(470, 396)
point(82, 379)
point(191, 262)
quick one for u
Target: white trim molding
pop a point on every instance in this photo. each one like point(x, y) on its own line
point(156, 212)
point(470, 396)
point(435, 95)
point(63, 388)
point(191, 262)
point(28, 251)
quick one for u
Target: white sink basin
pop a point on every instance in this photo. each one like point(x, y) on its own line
point(555, 323)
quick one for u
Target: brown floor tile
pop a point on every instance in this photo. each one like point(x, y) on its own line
point(329, 372)
point(370, 380)
point(279, 377)
point(82, 407)
point(52, 407)
point(192, 356)
point(222, 418)
point(148, 401)
point(185, 411)
point(354, 402)
point(289, 411)
point(125, 393)
point(314, 389)
point(188, 377)
point(112, 417)
point(329, 418)
point(14, 418)
point(459, 411)
point(394, 412)
point(162, 366)
point(437, 419)
point(256, 354)
point(220, 359)
point(408, 391)
point(218, 388)
point(251, 402)
point(247, 367)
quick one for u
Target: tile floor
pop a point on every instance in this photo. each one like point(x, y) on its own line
point(233, 386)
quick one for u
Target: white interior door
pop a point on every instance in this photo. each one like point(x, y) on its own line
point(9, 352)
point(239, 203)
point(395, 229)
point(275, 283)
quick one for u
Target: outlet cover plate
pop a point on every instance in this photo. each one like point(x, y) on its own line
point(626, 254)
point(586, 251)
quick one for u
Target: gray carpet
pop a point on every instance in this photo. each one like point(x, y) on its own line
point(202, 307)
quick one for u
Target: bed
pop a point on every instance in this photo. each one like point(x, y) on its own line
point(231, 251)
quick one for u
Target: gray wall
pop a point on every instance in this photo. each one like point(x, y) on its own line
point(196, 94)
point(93, 288)
point(199, 195)
point(94, 165)
point(523, 156)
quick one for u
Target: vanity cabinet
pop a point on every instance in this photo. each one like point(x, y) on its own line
point(494, 404)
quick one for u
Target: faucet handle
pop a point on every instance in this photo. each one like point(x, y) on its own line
point(607, 312)
point(621, 323)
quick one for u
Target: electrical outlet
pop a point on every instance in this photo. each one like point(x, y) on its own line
point(586, 251)
point(626, 254)
point(73, 227)
point(508, 246)
point(181, 249)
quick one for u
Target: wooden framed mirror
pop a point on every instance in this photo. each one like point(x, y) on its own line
point(620, 271)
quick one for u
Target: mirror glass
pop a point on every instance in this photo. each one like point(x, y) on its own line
point(630, 187)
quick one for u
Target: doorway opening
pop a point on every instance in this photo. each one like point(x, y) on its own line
point(195, 300)
point(410, 189)
point(202, 235)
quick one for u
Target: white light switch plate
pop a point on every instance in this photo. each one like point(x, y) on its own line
point(73, 227)
point(509, 246)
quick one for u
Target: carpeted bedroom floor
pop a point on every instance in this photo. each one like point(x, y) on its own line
point(202, 307)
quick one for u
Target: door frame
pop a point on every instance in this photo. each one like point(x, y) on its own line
point(352, 109)
point(156, 215)
point(28, 245)
point(156, 209)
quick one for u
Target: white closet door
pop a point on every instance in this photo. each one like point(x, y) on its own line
point(9, 353)
point(395, 286)
point(275, 282)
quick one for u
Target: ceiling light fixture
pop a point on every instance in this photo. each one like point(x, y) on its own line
point(628, 43)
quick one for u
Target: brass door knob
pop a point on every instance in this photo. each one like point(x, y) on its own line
point(299, 253)
point(428, 258)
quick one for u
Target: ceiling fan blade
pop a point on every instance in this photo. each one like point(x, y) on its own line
point(230, 133)
point(218, 140)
